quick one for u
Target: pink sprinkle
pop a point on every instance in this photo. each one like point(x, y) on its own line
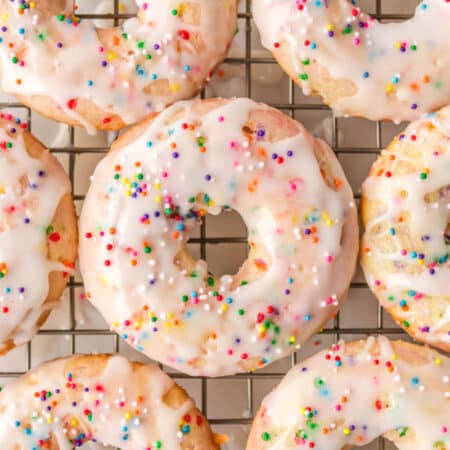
point(357, 41)
point(221, 118)
point(329, 258)
point(338, 407)
point(377, 282)
point(404, 252)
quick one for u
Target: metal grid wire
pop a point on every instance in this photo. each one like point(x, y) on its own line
point(73, 152)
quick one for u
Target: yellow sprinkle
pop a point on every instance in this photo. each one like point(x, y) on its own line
point(158, 199)
point(115, 324)
point(32, 5)
point(390, 88)
point(175, 87)
point(50, 420)
point(169, 315)
point(224, 307)
point(394, 357)
point(438, 361)
point(329, 27)
point(157, 185)
point(111, 56)
point(346, 431)
point(128, 415)
point(292, 339)
point(74, 422)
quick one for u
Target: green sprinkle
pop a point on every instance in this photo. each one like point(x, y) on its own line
point(147, 249)
point(265, 436)
point(406, 324)
point(141, 44)
point(174, 12)
point(210, 281)
point(60, 17)
point(185, 298)
point(241, 312)
point(304, 76)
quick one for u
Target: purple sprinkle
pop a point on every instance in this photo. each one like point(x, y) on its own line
point(208, 177)
point(274, 156)
point(290, 153)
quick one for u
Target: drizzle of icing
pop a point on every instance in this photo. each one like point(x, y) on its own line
point(334, 400)
point(400, 70)
point(407, 244)
point(147, 197)
point(30, 191)
point(163, 55)
point(116, 405)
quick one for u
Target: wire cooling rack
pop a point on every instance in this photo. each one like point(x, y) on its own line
point(229, 402)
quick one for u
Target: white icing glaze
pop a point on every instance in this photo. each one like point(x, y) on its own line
point(58, 59)
point(422, 265)
point(145, 194)
point(333, 400)
point(30, 191)
point(119, 406)
point(394, 79)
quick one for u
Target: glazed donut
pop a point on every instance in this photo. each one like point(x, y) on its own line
point(104, 79)
point(38, 233)
point(353, 393)
point(406, 214)
point(361, 67)
point(66, 403)
point(153, 189)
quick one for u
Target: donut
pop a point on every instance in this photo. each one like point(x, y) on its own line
point(351, 394)
point(103, 79)
point(38, 233)
point(153, 189)
point(66, 403)
point(405, 209)
point(358, 65)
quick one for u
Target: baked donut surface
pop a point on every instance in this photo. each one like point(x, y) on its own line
point(66, 403)
point(38, 233)
point(405, 209)
point(154, 188)
point(358, 65)
point(104, 79)
point(353, 393)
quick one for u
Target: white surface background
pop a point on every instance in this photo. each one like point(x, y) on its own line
point(75, 326)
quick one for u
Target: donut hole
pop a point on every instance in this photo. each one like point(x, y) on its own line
point(243, 268)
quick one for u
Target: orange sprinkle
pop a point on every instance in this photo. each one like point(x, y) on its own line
point(133, 262)
point(414, 87)
point(426, 79)
point(315, 239)
point(338, 183)
point(116, 40)
point(112, 231)
point(175, 234)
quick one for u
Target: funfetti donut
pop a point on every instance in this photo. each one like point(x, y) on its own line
point(360, 66)
point(38, 233)
point(153, 189)
point(104, 79)
point(406, 214)
point(101, 399)
point(353, 393)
